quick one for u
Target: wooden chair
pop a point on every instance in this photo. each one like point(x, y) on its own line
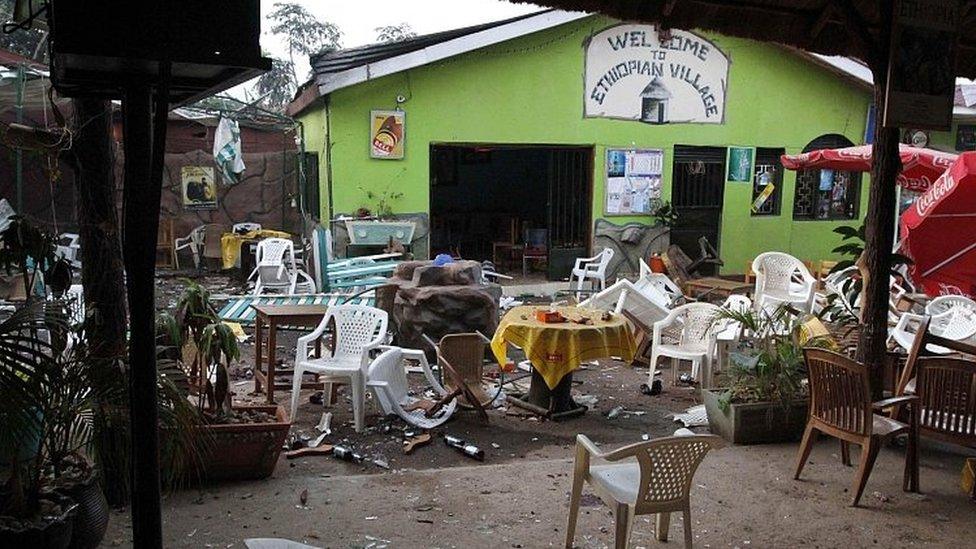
point(946, 391)
point(165, 251)
point(658, 483)
point(212, 234)
point(466, 354)
point(926, 344)
point(536, 248)
point(841, 406)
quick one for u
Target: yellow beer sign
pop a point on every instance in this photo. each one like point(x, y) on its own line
point(386, 134)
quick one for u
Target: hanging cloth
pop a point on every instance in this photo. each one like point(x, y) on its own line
point(227, 150)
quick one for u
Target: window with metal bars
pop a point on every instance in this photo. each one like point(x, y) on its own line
point(767, 182)
point(827, 194)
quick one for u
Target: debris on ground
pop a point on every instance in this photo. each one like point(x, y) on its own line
point(614, 412)
point(414, 442)
point(460, 445)
point(325, 424)
point(693, 417)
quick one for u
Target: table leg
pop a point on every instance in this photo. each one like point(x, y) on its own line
point(557, 403)
point(272, 341)
point(258, 340)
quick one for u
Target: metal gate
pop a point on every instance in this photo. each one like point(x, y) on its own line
point(569, 197)
point(697, 194)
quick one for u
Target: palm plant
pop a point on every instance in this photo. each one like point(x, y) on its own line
point(768, 366)
point(26, 364)
point(842, 307)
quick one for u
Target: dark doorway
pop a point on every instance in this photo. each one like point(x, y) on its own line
point(484, 198)
point(697, 195)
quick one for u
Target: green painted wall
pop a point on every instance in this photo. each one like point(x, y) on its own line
point(530, 90)
point(314, 131)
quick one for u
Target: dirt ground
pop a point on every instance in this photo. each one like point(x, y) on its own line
point(744, 496)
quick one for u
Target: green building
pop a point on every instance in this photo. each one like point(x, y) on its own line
point(559, 120)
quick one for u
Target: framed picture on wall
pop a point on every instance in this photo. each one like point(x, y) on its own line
point(199, 188)
point(633, 181)
point(386, 134)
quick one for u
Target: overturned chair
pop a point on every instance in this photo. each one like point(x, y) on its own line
point(387, 378)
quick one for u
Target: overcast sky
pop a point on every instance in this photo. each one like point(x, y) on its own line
point(358, 19)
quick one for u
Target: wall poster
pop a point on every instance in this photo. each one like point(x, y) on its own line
point(740, 164)
point(199, 188)
point(633, 183)
point(634, 73)
point(386, 134)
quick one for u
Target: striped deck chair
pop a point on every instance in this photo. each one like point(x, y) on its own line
point(238, 308)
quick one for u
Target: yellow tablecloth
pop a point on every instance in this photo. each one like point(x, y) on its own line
point(557, 349)
point(230, 244)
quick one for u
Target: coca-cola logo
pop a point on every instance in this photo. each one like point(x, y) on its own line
point(940, 188)
point(919, 184)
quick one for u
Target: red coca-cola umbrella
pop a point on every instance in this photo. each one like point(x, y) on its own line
point(939, 232)
point(920, 167)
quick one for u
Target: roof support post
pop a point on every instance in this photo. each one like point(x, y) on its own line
point(875, 262)
point(141, 222)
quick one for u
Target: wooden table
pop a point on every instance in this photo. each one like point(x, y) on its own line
point(715, 287)
point(557, 349)
point(270, 318)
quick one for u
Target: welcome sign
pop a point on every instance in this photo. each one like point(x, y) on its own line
point(635, 73)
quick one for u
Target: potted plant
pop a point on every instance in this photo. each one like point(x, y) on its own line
point(244, 441)
point(31, 515)
point(382, 227)
point(762, 395)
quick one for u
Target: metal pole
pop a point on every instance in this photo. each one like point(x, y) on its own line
point(141, 222)
point(21, 81)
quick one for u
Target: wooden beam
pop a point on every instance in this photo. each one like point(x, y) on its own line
point(859, 30)
point(875, 262)
point(821, 22)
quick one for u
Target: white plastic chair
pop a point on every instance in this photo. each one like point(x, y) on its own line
point(277, 269)
point(67, 248)
point(358, 330)
point(643, 301)
point(594, 268)
point(657, 481)
point(687, 333)
point(387, 377)
point(944, 303)
point(728, 331)
point(246, 227)
point(662, 282)
point(193, 241)
point(782, 278)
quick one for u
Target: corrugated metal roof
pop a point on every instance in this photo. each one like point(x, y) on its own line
point(340, 60)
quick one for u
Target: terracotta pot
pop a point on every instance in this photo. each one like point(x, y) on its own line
point(245, 451)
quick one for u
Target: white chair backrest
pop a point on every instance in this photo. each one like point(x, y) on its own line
point(388, 367)
point(945, 303)
point(246, 227)
point(738, 303)
point(665, 285)
point(196, 235)
point(667, 467)
point(603, 260)
point(274, 251)
point(957, 323)
point(776, 272)
point(356, 327)
point(697, 321)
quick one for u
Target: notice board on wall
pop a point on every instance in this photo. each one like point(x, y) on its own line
point(633, 181)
